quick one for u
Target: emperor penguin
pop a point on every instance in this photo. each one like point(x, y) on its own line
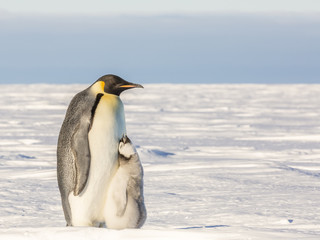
point(87, 152)
point(125, 203)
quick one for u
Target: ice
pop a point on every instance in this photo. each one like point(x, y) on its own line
point(220, 161)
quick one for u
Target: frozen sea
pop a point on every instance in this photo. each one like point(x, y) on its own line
point(220, 161)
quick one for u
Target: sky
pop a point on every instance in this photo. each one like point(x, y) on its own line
point(168, 41)
point(156, 6)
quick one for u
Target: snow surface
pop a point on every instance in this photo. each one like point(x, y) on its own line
point(220, 161)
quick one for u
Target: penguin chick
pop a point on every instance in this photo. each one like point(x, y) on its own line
point(125, 201)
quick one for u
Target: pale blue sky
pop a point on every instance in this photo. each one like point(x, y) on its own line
point(208, 41)
point(156, 6)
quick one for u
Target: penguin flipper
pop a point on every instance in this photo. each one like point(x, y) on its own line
point(82, 157)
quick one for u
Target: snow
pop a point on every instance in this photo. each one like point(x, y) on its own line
point(220, 161)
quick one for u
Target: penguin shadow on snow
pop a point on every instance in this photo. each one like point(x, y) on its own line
point(204, 227)
point(160, 153)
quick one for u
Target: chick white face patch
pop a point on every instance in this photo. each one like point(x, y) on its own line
point(126, 149)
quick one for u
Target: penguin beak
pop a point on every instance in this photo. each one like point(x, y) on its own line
point(131, 85)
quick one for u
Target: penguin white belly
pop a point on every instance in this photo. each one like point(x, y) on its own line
point(107, 129)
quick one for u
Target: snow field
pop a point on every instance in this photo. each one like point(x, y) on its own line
point(220, 161)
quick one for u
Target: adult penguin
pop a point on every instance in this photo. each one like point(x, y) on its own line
point(87, 153)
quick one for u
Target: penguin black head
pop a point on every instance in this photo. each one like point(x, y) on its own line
point(116, 85)
point(125, 139)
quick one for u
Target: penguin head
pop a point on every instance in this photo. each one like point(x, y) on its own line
point(115, 85)
point(126, 148)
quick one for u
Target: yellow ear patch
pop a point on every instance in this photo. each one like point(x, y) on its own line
point(98, 87)
point(102, 84)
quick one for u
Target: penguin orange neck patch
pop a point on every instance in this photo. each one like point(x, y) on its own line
point(102, 84)
point(98, 87)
